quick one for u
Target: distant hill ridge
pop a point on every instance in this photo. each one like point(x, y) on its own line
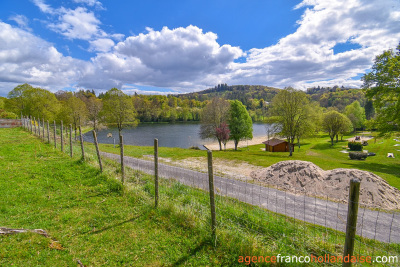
point(335, 96)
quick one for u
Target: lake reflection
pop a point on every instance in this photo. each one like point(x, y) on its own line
point(182, 135)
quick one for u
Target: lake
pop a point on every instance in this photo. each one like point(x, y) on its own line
point(182, 135)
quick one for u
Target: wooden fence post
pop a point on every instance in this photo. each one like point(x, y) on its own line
point(81, 138)
point(62, 137)
point(43, 129)
point(212, 196)
point(121, 145)
point(55, 135)
point(34, 123)
point(156, 171)
point(97, 150)
point(48, 132)
point(39, 127)
point(351, 226)
point(70, 140)
point(31, 126)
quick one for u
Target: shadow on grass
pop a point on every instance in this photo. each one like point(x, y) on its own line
point(203, 244)
point(328, 145)
point(111, 226)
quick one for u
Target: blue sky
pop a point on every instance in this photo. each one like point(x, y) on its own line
point(184, 46)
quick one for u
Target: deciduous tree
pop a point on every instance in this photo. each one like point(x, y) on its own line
point(290, 112)
point(118, 109)
point(335, 123)
point(240, 123)
point(383, 87)
point(214, 114)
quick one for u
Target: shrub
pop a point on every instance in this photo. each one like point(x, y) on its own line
point(355, 146)
point(358, 155)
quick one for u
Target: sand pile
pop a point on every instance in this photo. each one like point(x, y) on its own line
point(303, 177)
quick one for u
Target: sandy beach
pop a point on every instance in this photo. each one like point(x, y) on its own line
point(230, 145)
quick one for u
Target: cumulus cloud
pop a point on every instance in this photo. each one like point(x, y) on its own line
point(177, 58)
point(25, 58)
point(102, 45)
point(306, 57)
point(77, 23)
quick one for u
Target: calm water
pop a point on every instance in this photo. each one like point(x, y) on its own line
point(182, 135)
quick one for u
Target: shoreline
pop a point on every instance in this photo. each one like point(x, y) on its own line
point(231, 145)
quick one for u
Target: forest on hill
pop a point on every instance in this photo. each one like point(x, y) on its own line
point(169, 108)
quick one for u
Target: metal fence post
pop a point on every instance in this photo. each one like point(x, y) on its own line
point(121, 145)
point(351, 226)
point(212, 196)
point(81, 138)
point(62, 137)
point(97, 150)
point(156, 171)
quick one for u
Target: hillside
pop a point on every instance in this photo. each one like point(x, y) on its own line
point(338, 97)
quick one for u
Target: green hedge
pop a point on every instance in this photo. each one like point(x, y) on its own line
point(358, 155)
point(355, 146)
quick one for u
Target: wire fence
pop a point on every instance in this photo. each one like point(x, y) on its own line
point(295, 223)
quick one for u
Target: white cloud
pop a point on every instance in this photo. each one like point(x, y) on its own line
point(307, 55)
point(77, 23)
point(22, 21)
point(177, 58)
point(45, 8)
point(25, 58)
point(89, 3)
point(101, 45)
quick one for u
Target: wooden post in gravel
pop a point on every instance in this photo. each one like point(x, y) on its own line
point(97, 149)
point(70, 140)
point(212, 196)
point(156, 172)
point(81, 138)
point(48, 132)
point(55, 135)
point(62, 137)
point(351, 226)
point(121, 145)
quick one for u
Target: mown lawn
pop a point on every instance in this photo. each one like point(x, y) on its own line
point(316, 149)
point(92, 217)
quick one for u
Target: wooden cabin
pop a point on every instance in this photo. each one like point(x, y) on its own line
point(277, 145)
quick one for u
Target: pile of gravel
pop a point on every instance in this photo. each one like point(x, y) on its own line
point(303, 177)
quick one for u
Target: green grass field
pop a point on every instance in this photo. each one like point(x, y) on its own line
point(91, 217)
point(316, 149)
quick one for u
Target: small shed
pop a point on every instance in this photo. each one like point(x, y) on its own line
point(277, 145)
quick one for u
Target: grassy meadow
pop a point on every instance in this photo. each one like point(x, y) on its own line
point(91, 217)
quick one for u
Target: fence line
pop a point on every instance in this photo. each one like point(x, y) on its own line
point(301, 211)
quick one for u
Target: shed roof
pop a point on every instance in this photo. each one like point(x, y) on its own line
point(274, 142)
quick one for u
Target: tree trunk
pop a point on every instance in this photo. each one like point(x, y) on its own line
point(220, 145)
point(236, 144)
point(332, 140)
point(290, 147)
point(337, 138)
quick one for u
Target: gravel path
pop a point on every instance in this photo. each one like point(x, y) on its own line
point(372, 224)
